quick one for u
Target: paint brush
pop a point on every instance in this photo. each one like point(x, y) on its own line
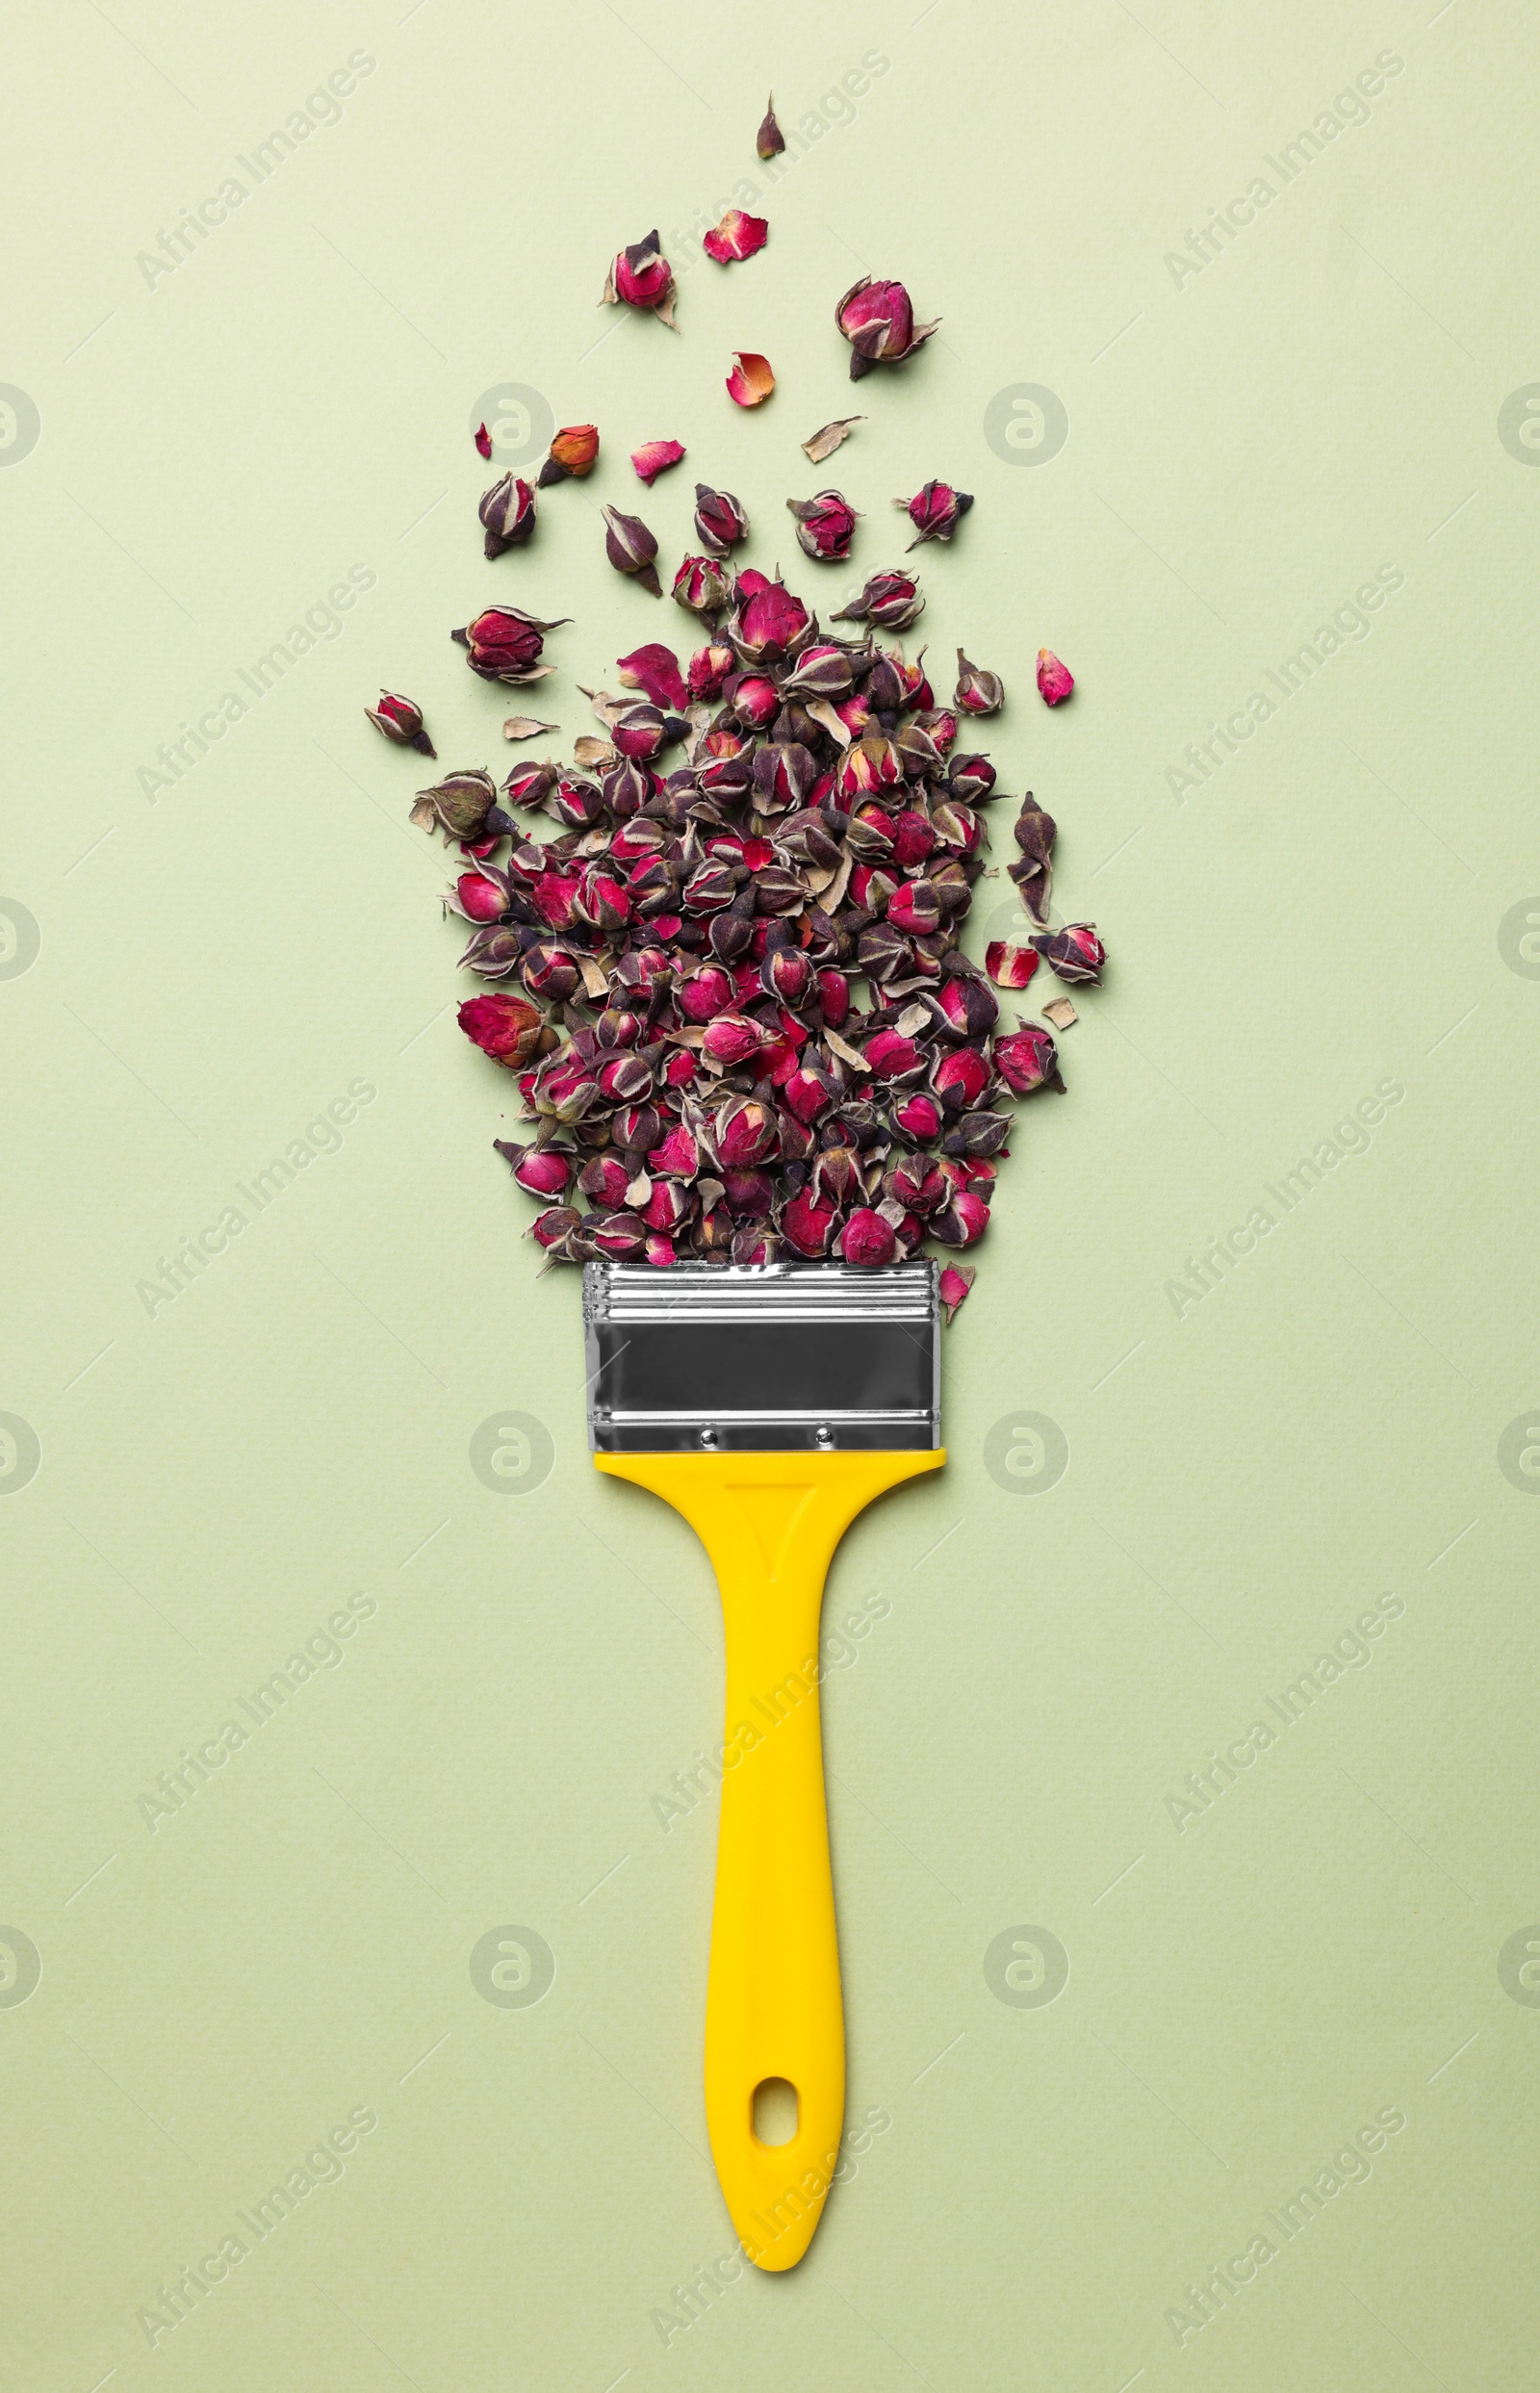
point(768, 1405)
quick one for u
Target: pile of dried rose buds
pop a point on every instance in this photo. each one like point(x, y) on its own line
point(730, 985)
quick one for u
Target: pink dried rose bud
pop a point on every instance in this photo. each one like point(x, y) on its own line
point(1055, 680)
point(505, 644)
point(1008, 966)
point(720, 522)
point(402, 721)
point(574, 452)
point(768, 622)
point(548, 971)
point(1027, 1059)
point(483, 441)
point(808, 1228)
point(507, 512)
point(826, 525)
point(737, 236)
point(632, 549)
point(642, 277)
point(918, 1116)
point(977, 692)
point(961, 1224)
point(553, 1228)
point(709, 668)
point(540, 1171)
point(867, 1239)
point(935, 511)
point(479, 897)
point(659, 1251)
point(878, 320)
point(751, 379)
point(1074, 953)
point(955, 1279)
point(745, 1134)
point(731, 1040)
point(604, 1180)
point(640, 733)
point(701, 585)
point(654, 670)
point(655, 457)
point(507, 1028)
point(962, 1007)
point(770, 140)
point(893, 601)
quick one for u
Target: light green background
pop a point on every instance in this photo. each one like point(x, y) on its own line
point(1244, 451)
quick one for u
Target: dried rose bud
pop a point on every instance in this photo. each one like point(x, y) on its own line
point(755, 700)
point(808, 1092)
point(642, 277)
point(603, 1181)
point(483, 441)
point(1026, 1058)
point(548, 971)
point(809, 1226)
point(893, 1057)
point(955, 1279)
point(823, 670)
point(654, 670)
point(751, 380)
point(507, 1028)
point(918, 1116)
point(971, 778)
point(630, 548)
point(1008, 966)
point(720, 522)
point(750, 1194)
point(458, 805)
point(867, 1239)
point(655, 457)
point(553, 1228)
point(939, 724)
point(505, 644)
point(1055, 680)
point(1074, 953)
point(705, 993)
point(915, 908)
point(935, 511)
point(701, 585)
point(893, 600)
point(770, 140)
point(963, 1007)
point(540, 1171)
point(786, 974)
point(878, 320)
point(768, 621)
point(731, 1040)
point(737, 236)
point(960, 1078)
point(961, 1224)
point(479, 897)
point(833, 997)
point(709, 668)
point(977, 691)
point(530, 783)
point(402, 723)
point(826, 525)
point(574, 452)
point(744, 1133)
point(508, 513)
point(669, 1206)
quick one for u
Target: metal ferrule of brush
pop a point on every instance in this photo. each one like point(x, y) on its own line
point(780, 1358)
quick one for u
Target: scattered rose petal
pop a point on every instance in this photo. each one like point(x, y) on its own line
point(483, 439)
point(402, 721)
point(630, 548)
point(572, 451)
point(654, 670)
point(957, 1278)
point(526, 727)
point(1055, 680)
point(770, 140)
point(878, 320)
point(935, 511)
point(751, 380)
point(828, 438)
point(737, 236)
point(1008, 966)
point(655, 457)
point(642, 277)
point(1060, 1012)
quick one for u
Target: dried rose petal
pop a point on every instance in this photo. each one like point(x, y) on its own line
point(642, 277)
point(878, 320)
point(770, 140)
point(1055, 680)
point(1074, 953)
point(655, 457)
point(751, 380)
point(630, 548)
point(574, 452)
point(977, 691)
point(828, 438)
point(1008, 966)
point(955, 1279)
point(654, 670)
point(402, 721)
point(737, 236)
point(483, 439)
point(507, 512)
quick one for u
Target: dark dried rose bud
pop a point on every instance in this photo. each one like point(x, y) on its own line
point(630, 548)
point(603, 1181)
point(503, 644)
point(553, 1228)
point(770, 140)
point(971, 778)
point(747, 1194)
point(548, 971)
point(1026, 1058)
point(641, 731)
point(784, 774)
point(867, 1239)
point(977, 691)
point(935, 511)
point(836, 1173)
point(963, 1007)
point(883, 953)
point(961, 1222)
point(709, 668)
point(402, 721)
point(669, 1206)
point(1055, 680)
point(869, 763)
point(958, 827)
point(618, 1236)
point(893, 600)
point(778, 891)
point(768, 622)
point(1074, 953)
point(878, 320)
point(809, 1226)
point(457, 805)
point(708, 889)
point(826, 525)
point(701, 585)
point(823, 670)
point(508, 513)
point(720, 522)
point(641, 276)
point(507, 1028)
point(574, 452)
point(914, 1183)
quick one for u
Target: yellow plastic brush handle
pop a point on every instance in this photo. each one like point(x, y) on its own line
point(770, 1522)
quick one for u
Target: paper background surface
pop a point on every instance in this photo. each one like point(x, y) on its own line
point(1346, 901)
